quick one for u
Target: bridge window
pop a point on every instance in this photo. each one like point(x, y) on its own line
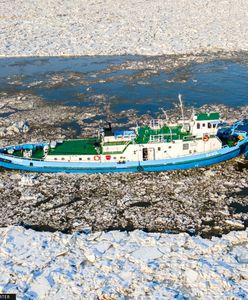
point(209, 125)
point(31, 164)
point(203, 124)
point(80, 158)
point(55, 158)
point(185, 146)
point(159, 148)
point(88, 158)
point(198, 125)
point(62, 158)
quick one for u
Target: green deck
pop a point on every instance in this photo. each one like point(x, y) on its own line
point(18, 153)
point(38, 154)
point(144, 134)
point(75, 147)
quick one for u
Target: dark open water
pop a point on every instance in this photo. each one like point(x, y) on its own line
point(81, 78)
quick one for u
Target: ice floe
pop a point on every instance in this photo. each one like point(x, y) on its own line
point(116, 265)
point(112, 27)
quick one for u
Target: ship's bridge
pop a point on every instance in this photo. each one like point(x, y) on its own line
point(205, 124)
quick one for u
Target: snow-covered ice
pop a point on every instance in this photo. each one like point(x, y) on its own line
point(139, 265)
point(108, 27)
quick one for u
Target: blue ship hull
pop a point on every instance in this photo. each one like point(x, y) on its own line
point(186, 162)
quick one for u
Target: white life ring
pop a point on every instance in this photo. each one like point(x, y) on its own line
point(97, 157)
point(205, 138)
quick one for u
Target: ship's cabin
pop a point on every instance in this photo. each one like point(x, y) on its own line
point(205, 124)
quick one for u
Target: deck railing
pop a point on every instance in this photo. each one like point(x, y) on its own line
point(160, 138)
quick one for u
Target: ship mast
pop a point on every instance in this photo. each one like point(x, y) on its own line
point(182, 110)
point(181, 105)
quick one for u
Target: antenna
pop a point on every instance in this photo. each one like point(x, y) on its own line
point(181, 106)
point(193, 113)
point(165, 114)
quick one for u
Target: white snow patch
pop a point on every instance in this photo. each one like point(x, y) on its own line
point(146, 253)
